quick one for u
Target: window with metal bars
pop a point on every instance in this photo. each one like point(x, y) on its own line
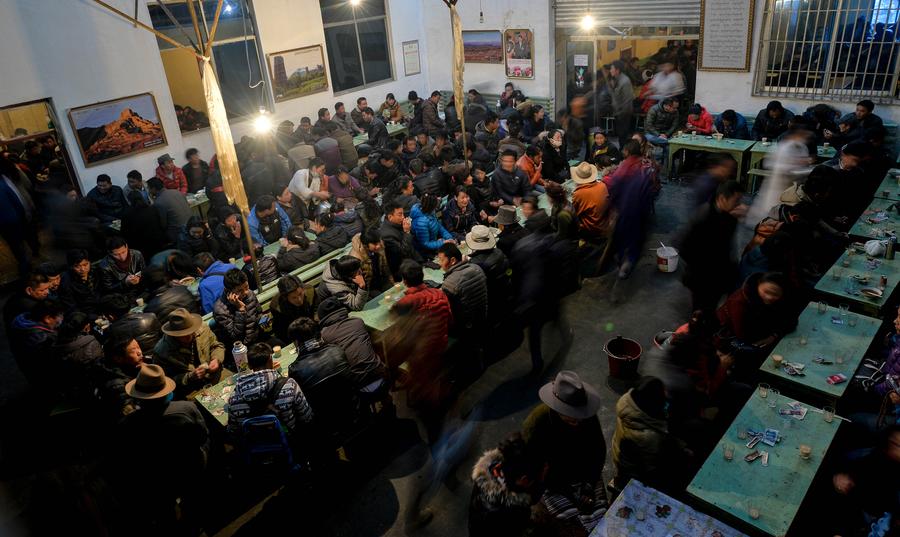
point(357, 43)
point(829, 49)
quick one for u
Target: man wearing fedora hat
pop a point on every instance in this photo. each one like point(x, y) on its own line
point(170, 174)
point(482, 241)
point(565, 432)
point(189, 351)
point(511, 231)
point(172, 435)
point(591, 202)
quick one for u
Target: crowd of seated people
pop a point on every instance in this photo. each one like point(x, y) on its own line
point(498, 222)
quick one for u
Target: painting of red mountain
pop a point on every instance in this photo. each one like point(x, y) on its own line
point(117, 128)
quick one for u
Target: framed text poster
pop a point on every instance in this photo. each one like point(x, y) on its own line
point(411, 62)
point(726, 34)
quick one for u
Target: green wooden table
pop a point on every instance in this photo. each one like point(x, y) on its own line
point(214, 399)
point(846, 288)
point(777, 489)
point(735, 148)
point(889, 189)
point(376, 314)
point(393, 130)
point(865, 229)
point(761, 150)
point(681, 520)
point(825, 339)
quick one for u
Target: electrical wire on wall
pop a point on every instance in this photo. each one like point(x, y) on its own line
point(244, 7)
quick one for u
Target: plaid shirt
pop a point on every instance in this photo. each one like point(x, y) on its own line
point(290, 404)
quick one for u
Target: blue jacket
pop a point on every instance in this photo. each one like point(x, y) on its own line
point(253, 223)
point(212, 285)
point(738, 131)
point(428, 233)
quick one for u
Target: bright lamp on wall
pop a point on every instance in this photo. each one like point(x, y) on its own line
point(588, 22)
point(263, 123)
point(355, 2)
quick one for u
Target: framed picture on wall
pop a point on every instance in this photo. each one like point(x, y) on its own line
point(412, 64)
point(297, 72)
point(118, 128)
point(518, 51)
point(482, 46)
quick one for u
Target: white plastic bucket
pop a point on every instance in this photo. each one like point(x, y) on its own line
point(667, 259)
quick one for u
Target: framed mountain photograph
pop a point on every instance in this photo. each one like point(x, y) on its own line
point(118, 128)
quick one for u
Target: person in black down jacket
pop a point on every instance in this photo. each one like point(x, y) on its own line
point(323, 374)
point(288, 305)
point(556, 167)
point(79, 288)
point(196, 238)
point(329, 237)
point(398, 241)
point(76, 354)
point(142, 226)
point(144, 327)
point(237, 311)
point(267, 265)
point(231, 237)
point(296, 250)
point(166, 296)
point(510, 183)
point(466, 286)
point(351, 335)
point(482, 241)
point(460, 214)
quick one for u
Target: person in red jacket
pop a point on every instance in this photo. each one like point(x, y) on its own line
point(171, 175)
point(426, 313)
point(699, 120)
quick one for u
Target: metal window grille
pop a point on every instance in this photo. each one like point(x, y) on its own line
point(829, 49)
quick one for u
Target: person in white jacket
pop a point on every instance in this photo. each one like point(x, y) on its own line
point(790, 163)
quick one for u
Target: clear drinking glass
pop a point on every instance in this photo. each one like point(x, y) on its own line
point(763, 390)
point(822, 307)
point(828, 414)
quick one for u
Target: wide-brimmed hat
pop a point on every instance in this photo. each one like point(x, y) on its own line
point(571, 397)
point(584, 173)
point(506, 215)
point(481, 238)
point(182, 323)
point(150, 383)
point(163, 159)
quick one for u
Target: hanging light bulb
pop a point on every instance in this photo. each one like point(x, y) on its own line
point(355, 3)
point(263, 123)
point(588, 22)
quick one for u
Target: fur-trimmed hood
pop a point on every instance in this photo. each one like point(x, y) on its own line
point(491, 490)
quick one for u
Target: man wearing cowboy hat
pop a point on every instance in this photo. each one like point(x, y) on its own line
point(591, 202)
point(511, 231)
point(171, 435)
point(171, 175)
point(483, 241)
point(565, 432)
point(189, 351)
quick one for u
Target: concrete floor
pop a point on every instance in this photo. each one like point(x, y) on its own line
point(370, 500)
point(636, 308)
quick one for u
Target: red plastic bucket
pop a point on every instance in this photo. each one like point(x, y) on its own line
point(624, 355)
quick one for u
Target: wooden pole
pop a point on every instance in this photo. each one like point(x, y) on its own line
point(193, 11)
point(158, 34)
point(212, 31)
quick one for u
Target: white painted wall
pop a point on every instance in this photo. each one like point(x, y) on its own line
point(720, 91)
point(76, 53)
point(498, 15)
